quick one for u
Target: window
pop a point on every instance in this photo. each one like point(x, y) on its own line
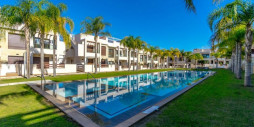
point(205, 55)
point(111, 53)
point(90, 61)
point(37, 43)
point(47, 43)
point(15, 60)
point(103, 50)
point(90, 48)
point(16, 41)
point(141, 57)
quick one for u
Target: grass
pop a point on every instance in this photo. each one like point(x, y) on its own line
point(62, 78)
point(220, 100)
point(21, 106)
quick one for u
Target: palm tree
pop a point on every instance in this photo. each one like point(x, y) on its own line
point(22, 13)
point(44, 25)
point(217, 55)
point(55, 13)
point(139, 45)
point(167, 54)
point(196, 57)
point(190, 5)
point(145, 51)
point(187, 56)
point(128, 42)
point(152, 50)
point(175, 54)
point(158, 54)
point(242, 15)
point(95, 26)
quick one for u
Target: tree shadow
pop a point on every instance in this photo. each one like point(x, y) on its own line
point(38, 119)
point(46, 115)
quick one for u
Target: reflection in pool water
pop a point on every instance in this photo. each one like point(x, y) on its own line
point(109, 101)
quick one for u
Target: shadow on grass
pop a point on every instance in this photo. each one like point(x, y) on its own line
point(39, 113)
point(38, 118)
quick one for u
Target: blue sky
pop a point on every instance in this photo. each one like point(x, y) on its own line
point(163, 23)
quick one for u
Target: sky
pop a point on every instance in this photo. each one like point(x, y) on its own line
point(163, 23)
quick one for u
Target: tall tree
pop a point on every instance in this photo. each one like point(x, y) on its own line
point(128, 42)
point(191, 7)
point(242, 15)
point(44, 25)
point(187, 56)
point(95, 26)
point(152, 50)
point(60, 22)
point(22, 14)
point(139, 45)
point(175, 54)
point(196, 57)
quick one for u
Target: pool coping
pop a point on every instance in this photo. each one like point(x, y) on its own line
point(68, 110)
point(163, 102)
point(84, 121)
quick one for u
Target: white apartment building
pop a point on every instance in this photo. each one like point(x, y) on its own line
point(210, 61)
point(13, 52)
point(112, 56)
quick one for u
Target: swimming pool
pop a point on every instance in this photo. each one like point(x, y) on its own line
point(110, 101)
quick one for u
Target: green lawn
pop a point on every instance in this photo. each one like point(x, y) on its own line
point(220, 100)
point(21, 106)
point(62, 78)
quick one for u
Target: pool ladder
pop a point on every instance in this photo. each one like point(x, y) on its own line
point(91, 75)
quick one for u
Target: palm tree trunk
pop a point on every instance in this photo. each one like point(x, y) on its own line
point(236, 59)
point(42, 58)
point(167, 62)
point(239, 60)
point(196, 62)
point(151, 61)
point(54, 54)
point(233, 61)
point(129, 59)
point(248, 46)
point(27, 36)
point(84, 56)
point(96, 49)
point(217, 62)
point(137, 60)
point(174, 63)
point(133, 57)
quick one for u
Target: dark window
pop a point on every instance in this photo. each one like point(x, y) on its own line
point(16, 41)
point(103, 50)
point(47, 43)
point(37, 60)
point(15, 60)
point(90, 48)
point(90, 61)
point(111, 53)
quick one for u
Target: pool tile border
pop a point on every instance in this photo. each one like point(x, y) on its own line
point(69, 111)
point(142, 115)
point(87, 122)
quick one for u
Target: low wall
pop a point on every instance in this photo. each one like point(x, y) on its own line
point(69, 68)
point(19, 69)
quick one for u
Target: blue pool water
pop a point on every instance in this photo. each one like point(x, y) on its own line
point(109, 101)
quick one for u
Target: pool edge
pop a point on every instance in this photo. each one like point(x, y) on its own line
point(141, 115)
point(68, 110)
